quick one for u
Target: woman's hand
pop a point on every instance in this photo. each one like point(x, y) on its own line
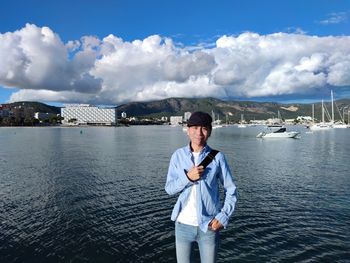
point(195, 172)
point(215, 225)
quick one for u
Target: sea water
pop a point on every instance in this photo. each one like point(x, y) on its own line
point(97, 195)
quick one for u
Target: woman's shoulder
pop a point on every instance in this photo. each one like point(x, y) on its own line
point(181, 151)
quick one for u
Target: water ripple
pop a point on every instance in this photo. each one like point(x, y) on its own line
point(99, 196)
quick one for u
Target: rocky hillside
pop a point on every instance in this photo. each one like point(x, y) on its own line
point(36, 106)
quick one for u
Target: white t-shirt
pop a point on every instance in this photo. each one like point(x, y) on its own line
point(188, 215)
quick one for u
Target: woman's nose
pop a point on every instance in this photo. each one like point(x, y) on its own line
point(200, 131)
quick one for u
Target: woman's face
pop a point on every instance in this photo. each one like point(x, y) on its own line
point(198, 135)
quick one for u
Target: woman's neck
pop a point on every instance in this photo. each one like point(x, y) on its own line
point(196, 148)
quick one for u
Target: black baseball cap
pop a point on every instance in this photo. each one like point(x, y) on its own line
point(200, 118)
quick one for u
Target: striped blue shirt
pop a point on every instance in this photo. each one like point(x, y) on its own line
point(208, 195)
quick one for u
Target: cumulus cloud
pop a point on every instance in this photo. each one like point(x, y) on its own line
point(278, 64)
point(36, 58)
point(111, 70)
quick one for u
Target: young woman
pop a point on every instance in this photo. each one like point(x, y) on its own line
point(198, 213)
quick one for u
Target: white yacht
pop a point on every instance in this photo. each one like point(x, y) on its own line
point(279, 133)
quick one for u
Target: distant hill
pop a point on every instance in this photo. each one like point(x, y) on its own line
point(37, 106)
point(232, 109)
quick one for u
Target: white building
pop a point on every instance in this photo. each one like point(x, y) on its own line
point(176, 120)
point(258, 122)
point(88, 114)
point(187, 115)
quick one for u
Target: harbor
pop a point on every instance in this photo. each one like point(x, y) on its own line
point(99, 195)
point(231, 118)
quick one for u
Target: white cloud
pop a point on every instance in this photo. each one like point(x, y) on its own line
point(339, 73)
point(111, 71)
point(278, 64)
point(334, 18)
point(49, 95)
point(36, 58)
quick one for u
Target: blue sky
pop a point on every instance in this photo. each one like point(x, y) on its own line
point(110, 52)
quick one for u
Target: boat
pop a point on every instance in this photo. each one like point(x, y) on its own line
point(276, 125)
point(241, 124)
point(279, 133)
point(216, 122)
point(322, 125)
point(331, 123)
point(276, 122)
point(340, 125)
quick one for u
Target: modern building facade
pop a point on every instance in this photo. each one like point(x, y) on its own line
point(85, 114)
point(176, 120)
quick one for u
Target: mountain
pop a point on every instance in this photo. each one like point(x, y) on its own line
point(222, 108)
point(36, 106)
point(232, 109)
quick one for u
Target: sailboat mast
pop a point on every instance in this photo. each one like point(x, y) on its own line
point(313, 113)
point(322, 112)
point(332, 106)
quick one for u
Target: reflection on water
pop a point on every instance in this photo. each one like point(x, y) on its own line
point(97, 196)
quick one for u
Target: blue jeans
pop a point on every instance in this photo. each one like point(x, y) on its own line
point(186, 236)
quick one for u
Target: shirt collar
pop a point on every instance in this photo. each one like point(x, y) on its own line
point(205, 149)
